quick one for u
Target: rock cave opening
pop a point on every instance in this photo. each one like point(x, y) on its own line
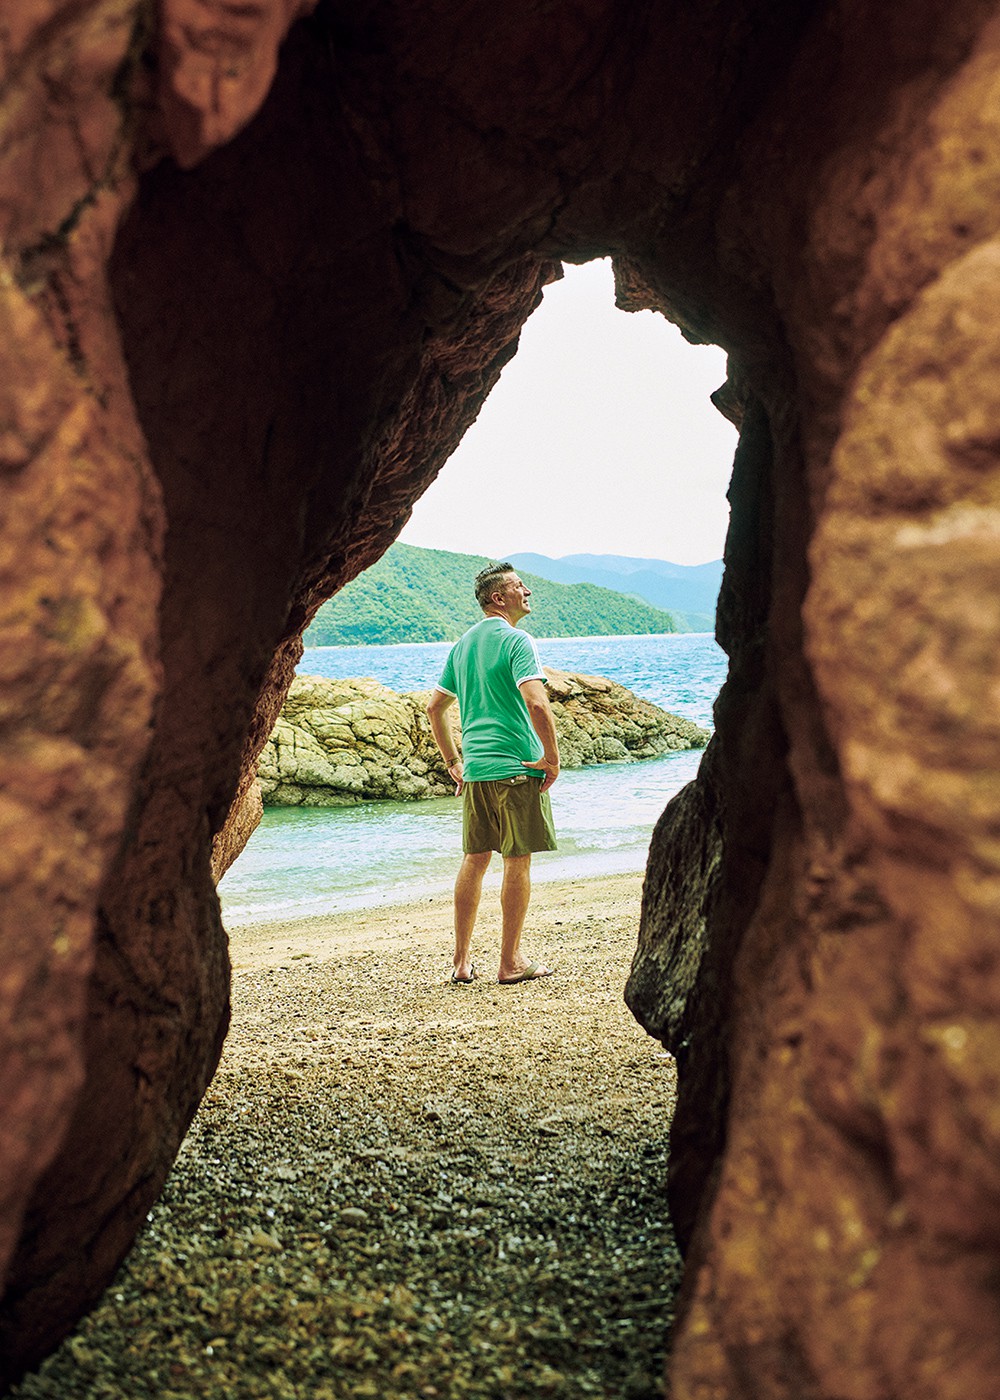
point(364, 1153)
point(599, 421)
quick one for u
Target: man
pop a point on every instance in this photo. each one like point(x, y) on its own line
point(510, 760)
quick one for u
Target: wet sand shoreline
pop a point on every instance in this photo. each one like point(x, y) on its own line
point(427, 922)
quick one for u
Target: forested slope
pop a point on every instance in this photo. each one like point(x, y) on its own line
point(425, 595)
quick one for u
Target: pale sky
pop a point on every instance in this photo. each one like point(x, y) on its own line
point(598, 439)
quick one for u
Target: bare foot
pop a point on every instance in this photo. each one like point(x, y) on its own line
point(529, 973)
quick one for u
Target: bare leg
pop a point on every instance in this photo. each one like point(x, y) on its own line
point(468, 888)
point(515, 892)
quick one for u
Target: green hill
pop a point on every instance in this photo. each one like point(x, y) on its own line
point(425, 595)
point(689, 591)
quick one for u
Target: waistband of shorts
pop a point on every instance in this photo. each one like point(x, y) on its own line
point(517, 780)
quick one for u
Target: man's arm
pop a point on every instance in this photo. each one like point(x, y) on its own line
point(544, 725)
point(440, 703)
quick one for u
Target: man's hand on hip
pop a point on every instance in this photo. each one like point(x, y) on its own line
point(550, 768)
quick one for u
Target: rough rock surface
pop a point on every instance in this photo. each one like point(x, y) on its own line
point(340, 742)
point(673, 988)
point(241, 823)
point(600, 721)
point(310, 316)
point(217, 60)
point(80, 555)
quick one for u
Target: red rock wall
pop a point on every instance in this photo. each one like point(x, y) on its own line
point(79, 565)
point(313, 301)
point(846, 1239)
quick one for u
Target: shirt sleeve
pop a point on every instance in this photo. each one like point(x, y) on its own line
point(447, 682)
point(525, 664)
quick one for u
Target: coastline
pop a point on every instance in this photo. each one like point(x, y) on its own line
point(583, 637)
point(426, 923)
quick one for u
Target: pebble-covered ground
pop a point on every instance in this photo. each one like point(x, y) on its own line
point(400, 1188)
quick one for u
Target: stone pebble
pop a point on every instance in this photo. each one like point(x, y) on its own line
point(322, 1236)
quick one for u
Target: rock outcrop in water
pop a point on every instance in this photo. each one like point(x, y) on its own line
point(340, 742)
point(224, 386)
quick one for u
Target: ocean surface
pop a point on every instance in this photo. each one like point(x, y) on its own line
point(311, 860)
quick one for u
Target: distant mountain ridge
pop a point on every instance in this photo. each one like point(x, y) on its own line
point(689, 589)
point(425, 595)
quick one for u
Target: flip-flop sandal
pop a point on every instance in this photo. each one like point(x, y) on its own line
point(463, 981)
point(530, 974)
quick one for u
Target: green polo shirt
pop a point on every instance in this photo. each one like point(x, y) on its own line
point(484, 669)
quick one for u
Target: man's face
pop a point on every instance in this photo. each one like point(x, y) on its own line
point(515, 596)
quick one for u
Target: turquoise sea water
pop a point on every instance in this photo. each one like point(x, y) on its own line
point(304, 861)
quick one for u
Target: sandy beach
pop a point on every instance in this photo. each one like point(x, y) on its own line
point(556, 908)
point(400, 1188)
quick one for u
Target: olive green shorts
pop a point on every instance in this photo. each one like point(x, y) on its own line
point(509, 815)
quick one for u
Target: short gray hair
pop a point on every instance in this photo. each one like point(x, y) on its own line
point(486, 581)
